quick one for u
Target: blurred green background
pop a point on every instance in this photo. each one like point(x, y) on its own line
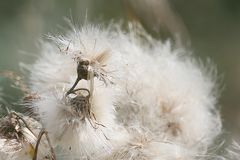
point(211, 28)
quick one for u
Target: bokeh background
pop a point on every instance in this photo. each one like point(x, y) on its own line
point(210, 28)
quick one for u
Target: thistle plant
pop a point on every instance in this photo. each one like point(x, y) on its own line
point(110, 94)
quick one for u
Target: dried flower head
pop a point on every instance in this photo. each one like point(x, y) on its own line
point(18, 138)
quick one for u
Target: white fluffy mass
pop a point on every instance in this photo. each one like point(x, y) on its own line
point(156, 102)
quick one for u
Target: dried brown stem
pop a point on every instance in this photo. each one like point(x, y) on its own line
point(42, 132)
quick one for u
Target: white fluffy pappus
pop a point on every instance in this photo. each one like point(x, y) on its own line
point(169, 92)
point(52, 76)
point(144, 145)
point(152, 85)
point(78, 137)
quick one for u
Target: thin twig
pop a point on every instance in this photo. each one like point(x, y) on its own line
point(42, 132)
